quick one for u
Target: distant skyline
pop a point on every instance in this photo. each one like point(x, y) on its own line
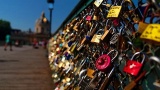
point(22, 14)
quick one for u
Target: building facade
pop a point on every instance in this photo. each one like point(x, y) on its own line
point(42, 25)
point(41, 32)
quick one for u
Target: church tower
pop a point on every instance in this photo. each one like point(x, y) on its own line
point(42, 25)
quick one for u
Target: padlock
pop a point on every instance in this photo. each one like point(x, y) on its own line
point(95, 17)
point(142, 25)
point(114, 11)
point(90, 72)
point(132, 66)
point(103, 63)
point(107, 78)
point(82, 73)
point(114, 39)
point(76, 27)
point(93, 29)
point(70, 43)
point(97, 36)
point(151, 34)
point(136, 18)
point(91, 69)
point(134, 13)
point(85, 40)
point(68, 27)
point(72, 23)
point(107, 32)
point(73, 47)
point(90, 34)
point(96, 14)
point(137, 42)
point(122, 44)
point(78, 69)
point(79, 22)
point(94, 81)
point(71, 67)
point(154, 62)
point(97, 3)
point(116, 22)
point(90, 15)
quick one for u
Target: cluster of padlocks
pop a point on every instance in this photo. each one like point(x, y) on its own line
point(110, 45)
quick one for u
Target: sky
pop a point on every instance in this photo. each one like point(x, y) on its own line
point(22, 14)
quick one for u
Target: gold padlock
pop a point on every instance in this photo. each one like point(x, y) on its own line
point(114, 12)
point(107, 32)
point(90, 72)
point(72, 23)
point(96, 37)
point(151, 34)
point(73, 47)
point(96, 16)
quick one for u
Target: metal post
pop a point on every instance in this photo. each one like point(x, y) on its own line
point(50, 3)
point(50, 9)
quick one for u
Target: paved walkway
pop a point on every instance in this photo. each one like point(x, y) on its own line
point(24, 68)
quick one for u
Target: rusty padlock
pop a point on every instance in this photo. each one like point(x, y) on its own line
point(103, 63)
point(132, 66)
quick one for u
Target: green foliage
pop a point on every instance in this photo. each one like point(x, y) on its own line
point(5, 28)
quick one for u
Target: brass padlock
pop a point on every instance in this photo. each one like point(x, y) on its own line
point(114, 12)
point(97, 36)
point(72, 23)
point(81, 18)
point(73, 47)
point(93, 29)
point(107, 30)
point(151, 34)
point(90, 72)
point(90, 34)
point(107, 35)
point(77, 25)
point(96, 16)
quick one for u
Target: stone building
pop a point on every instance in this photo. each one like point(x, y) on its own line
point(41, 33)
point(42, 25)
point(42, 28)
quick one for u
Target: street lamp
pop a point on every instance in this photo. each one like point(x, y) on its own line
point(50, 3)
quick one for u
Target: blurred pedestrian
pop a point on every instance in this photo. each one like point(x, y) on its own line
point(8, 42)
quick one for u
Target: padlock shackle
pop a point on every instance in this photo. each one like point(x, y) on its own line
point(110, 52)
point(154, 58)
point(81, 73)
point(132, 58)
point(145, 12)
point(83, 62)
point(130, 3)
point(121, 30)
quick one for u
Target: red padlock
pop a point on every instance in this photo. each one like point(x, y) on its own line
point(103, 63)
point(132, 66)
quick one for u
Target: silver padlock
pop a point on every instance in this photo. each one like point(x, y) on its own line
point(153, 60)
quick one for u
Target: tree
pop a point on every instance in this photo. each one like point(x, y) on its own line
point(5, 28)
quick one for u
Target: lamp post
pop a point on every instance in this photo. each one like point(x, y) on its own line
point(50, 3)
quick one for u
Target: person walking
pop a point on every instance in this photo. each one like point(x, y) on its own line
point(8, 42)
